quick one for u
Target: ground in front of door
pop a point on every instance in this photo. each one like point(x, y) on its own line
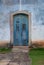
point(15, 57)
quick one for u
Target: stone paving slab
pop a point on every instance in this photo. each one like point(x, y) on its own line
point(13, 63)
point(23, 63)
point(15, 58)
point(19, 50)
point(3, 63)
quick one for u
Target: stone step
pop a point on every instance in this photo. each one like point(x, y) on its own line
point(20, 48)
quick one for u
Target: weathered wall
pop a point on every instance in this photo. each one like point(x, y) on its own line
point(36, 7)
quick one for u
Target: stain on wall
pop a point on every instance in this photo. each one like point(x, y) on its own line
point(36, 7)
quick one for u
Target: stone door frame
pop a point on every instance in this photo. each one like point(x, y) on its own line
point(11, 24)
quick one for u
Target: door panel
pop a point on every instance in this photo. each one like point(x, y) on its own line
point(20, 30)
point(24, 30)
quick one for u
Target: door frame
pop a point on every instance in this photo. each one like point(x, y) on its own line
point(11, 24)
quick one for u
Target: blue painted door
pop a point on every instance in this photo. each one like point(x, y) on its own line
point(20, 30)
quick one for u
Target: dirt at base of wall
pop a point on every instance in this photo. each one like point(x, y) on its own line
point(38, 43)
point(4, 43)
point(34, 43)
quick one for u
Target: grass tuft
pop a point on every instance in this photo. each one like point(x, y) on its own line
point(5, 50)
point(37, 56)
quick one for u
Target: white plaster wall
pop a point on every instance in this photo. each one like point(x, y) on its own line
point(36, 7)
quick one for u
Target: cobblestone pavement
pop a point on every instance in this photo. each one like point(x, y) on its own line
point(15, 58)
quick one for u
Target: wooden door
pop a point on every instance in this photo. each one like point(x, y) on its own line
point(20, 30)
